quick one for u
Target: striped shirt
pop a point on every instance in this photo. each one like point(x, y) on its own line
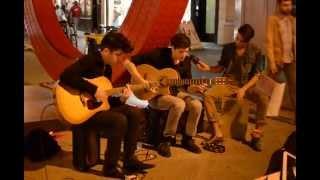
point(287, 40)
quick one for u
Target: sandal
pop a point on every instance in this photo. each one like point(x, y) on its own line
point(216, 146)
point(213, 140)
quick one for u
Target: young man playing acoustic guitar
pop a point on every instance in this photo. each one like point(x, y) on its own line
point(177, 58)
point(121, 122)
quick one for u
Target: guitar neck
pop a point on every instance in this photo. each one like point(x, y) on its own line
point(119, 90)
point(182, 82)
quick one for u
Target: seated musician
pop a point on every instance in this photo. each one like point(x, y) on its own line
point(238, 61)
point(176, 57)
point(121, 122)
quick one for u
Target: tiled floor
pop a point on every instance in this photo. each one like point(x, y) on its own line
point(239, 162)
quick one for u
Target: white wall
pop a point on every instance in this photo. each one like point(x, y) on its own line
point(226, 22)
point(255, 13)
point(233, 13)
point(123, 9)
point(187, 14)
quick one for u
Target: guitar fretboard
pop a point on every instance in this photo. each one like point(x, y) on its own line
point(182, 82)
point(119, 90)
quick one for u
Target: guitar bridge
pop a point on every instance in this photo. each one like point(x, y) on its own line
point(90, 103)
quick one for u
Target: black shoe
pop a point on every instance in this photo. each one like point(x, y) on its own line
point(256, 144)
point(135, 165)
point(188, 143)
point(113, 172)
point(164, 149)
point(172, 140)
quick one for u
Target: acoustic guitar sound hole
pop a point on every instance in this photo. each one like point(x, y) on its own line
point(93, 104)
point(163, 82)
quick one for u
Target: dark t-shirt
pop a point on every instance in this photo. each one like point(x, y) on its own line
point(161, 58)
point(88, 66)
point(241, 68)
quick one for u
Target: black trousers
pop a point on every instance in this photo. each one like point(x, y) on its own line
point(118, 123)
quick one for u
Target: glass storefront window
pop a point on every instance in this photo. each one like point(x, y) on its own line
point(118, 10)
point(85, 5)
point(187, 13)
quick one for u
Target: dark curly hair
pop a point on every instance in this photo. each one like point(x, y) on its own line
point(247, 32)
point(116, 41)
point(180, 40)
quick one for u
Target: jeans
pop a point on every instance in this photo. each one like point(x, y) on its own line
point(290, 74)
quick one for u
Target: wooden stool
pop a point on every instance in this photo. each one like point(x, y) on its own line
point(85, 148)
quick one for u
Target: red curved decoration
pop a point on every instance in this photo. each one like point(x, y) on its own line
point(47, 19)
point(149, 24)
point(52, 60)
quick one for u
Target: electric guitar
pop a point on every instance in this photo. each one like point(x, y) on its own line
point(169, 77)
point(77, 107)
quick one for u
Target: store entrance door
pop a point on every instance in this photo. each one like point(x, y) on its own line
point(204, 15)
point(95, 15)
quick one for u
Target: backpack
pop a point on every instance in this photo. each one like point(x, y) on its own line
point(39, 145)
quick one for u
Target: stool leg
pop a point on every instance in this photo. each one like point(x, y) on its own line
point(93, 148)
point(78, 148)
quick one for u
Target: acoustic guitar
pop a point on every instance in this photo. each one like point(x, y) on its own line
point(77, 107)
point(169, 77)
